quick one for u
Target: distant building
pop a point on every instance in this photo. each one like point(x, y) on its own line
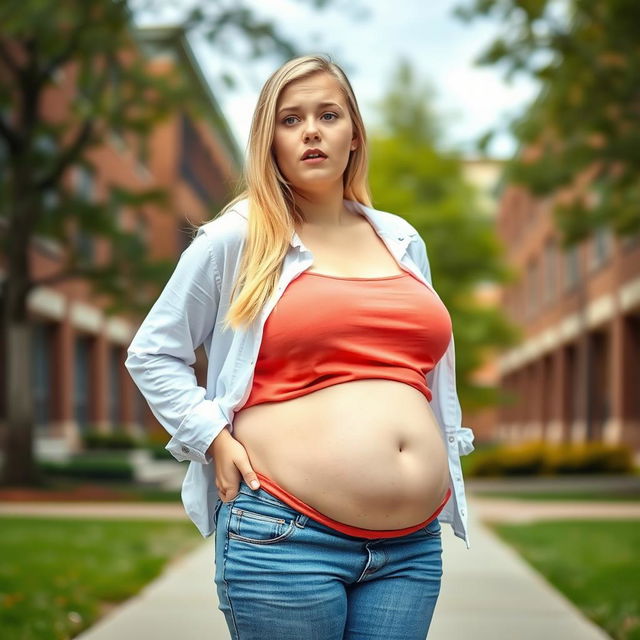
point(575, 376)
point(80, 381)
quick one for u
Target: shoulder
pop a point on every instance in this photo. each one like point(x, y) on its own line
point(226, 233)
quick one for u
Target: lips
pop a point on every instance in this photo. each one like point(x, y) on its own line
point(309, 152)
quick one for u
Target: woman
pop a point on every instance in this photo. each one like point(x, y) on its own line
point(331, 384)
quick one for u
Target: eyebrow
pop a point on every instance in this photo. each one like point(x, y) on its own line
point(296, 107)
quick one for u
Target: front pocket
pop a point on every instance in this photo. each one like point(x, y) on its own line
point(433, 529)
point(258, 528)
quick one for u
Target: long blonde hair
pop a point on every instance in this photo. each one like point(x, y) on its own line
point(271, 206)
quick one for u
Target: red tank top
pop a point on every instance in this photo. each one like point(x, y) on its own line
point(326, 330)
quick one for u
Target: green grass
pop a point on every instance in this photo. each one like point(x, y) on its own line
point(57, 577)
point(595, 563)
point(622, 496)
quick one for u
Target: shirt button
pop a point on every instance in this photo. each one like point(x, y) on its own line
point(462, 511)
point(185, 449)
point(401, 238)
point(451, 438)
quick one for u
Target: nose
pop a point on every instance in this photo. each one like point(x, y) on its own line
point(310, 130)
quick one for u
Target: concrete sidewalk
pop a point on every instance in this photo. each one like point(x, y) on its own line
point(488, 592)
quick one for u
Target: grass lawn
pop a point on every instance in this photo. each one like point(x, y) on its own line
point(57, 577)
point(595, 563)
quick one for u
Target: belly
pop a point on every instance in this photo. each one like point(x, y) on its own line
point(368, 453)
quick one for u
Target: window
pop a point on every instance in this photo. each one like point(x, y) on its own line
point(85, 189)
point(602, 242)
point(115, 395)
point(572, 270)
point(532, 287)
point(82, 387)
point(549, 283)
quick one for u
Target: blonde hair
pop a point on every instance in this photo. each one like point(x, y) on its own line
point(272, 210)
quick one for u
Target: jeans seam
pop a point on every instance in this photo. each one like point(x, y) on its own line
point(224, 576)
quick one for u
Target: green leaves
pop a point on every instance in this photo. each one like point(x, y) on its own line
point(586, 56)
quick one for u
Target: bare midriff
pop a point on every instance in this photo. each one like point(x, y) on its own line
point(367, 453)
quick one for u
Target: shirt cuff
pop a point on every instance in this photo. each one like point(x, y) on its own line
point(196, 433)
point(465, 440)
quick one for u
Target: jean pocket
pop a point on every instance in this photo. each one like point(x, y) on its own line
point(256, 522)
point(433, 529)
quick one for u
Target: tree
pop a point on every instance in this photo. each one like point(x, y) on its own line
point(115, 91)
point(412, 172)
point(586, 119)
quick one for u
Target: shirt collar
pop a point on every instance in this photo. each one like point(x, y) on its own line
point(394, 230)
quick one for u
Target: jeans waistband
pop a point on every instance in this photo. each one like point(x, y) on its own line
point(264, 496)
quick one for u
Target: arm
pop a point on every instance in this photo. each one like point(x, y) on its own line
point(162, 353)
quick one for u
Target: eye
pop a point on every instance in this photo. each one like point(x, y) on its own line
point(329, 113)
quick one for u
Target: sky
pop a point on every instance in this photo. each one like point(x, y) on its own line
point(441, 48)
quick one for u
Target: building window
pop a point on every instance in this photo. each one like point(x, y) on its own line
point(532, 287)
point(115, 391)
point(601, 246)
point(85, 190)
point(82, 387)
point(550, 271)
point(572, 269)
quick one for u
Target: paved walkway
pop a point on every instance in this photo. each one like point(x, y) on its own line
point(488, 591)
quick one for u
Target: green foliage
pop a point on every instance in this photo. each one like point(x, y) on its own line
point(586, 118)
point(414, 175)
point(114, 440)
point(543, 458)
point(91, 467)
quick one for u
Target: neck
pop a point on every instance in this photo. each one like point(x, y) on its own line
point(324, 212)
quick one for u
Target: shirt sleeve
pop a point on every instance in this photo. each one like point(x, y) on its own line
point(161, 355)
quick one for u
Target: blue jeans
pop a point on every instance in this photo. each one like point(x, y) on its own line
point(281, 575)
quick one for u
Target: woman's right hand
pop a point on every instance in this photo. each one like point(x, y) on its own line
point(232, 465)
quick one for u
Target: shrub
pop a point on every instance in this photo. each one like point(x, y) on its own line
point(540, 458)
point(91, 468)
point(117, 440)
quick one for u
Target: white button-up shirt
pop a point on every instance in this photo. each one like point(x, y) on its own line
point(189, 312)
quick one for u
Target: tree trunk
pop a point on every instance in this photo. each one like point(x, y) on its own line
point(19, 466)
point(19, 463)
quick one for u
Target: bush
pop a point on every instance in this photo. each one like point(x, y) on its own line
point(157, 451)
point(117, 440)
point(91, 468)
point(541, 458)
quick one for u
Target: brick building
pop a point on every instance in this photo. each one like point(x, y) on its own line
point(575, 375)
point(80, 382)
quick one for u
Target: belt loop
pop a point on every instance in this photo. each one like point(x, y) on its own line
point(301, 520)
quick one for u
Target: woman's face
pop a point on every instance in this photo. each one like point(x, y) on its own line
point(303, 122)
